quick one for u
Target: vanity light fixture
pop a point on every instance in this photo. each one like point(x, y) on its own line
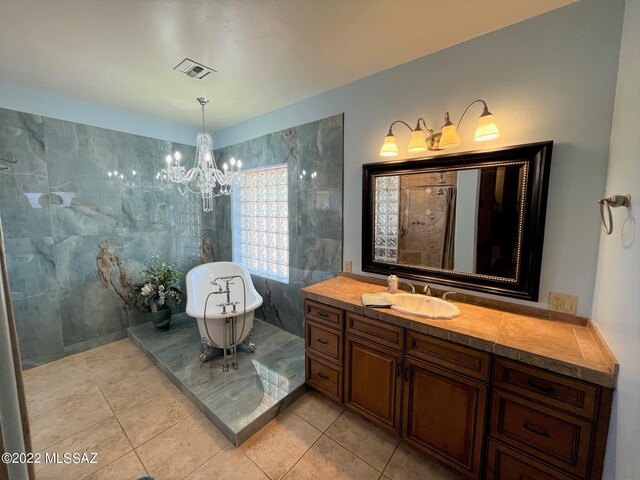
point(447, 138)
point(418, 142)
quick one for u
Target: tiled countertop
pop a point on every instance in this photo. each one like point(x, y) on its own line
point(573, 350)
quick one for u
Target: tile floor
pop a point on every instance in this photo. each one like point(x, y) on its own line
point(112, 400)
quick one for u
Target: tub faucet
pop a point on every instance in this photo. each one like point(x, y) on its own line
point(413, 289)
point(427, 290)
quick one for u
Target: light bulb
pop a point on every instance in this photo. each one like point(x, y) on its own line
point(133, 173)
point(168, 160)
point(207, 156)
point(232, 161)
point(417, 143)
point(487, 128)
point(389, 147)
point(239, 164)
point(304, 172)
point(225, 167)
point(109, 174)
point(115, 172)
point(177, 155)
point(121, 177)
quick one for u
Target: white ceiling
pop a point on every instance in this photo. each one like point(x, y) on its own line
point(268, 53)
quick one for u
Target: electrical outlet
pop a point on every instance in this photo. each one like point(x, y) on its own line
point(347, 266)
point(563, 302)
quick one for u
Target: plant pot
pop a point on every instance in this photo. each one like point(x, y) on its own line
point(161, 318)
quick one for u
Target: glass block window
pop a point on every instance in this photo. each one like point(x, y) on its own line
point(387, 196)
point(261, 222)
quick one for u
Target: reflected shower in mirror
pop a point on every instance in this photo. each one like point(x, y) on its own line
point(464, 220)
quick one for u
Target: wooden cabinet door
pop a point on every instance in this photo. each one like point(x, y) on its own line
point(444, 415)
point(373, 381)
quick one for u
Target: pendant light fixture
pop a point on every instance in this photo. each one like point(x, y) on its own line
point(204, 178)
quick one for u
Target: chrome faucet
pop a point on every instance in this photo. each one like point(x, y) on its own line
point(446, 296)
point(413, 290)
point(427, 290)
point(226, 291)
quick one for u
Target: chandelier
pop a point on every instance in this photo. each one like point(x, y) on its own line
point(204, 178)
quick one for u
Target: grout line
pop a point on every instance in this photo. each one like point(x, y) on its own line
point(389, 461)
point(257, 466)
point(141, 463)
point(206, 460)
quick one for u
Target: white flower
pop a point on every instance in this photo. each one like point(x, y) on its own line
point(146, 289)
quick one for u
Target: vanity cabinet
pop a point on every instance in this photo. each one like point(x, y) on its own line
point(373, 382)
point(444, 415)
point(445, 400)
point(324, 343)
point(551, 420)
point(482, 415)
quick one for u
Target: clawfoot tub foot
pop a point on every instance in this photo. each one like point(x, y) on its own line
point(207, 349)
point(248, 343)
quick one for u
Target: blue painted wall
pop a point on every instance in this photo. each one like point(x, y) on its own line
point(552, 77)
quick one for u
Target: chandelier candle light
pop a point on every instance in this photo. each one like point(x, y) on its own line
point(204, 178)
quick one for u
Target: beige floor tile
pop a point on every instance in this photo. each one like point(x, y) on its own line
point(132, 390)
point(329, 460)
point(405, 464)
point(363, 438)
point(317, 409)
point(60, 423)
point(127, 467)
point(228, 464)
point(55, 384)
point(280, 444)
point(111, 351)
point(106, 371)
point(151, 417)
point(106, 439)
point(181, 449)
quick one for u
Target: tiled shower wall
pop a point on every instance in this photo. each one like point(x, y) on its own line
point(74, 237)
point(315, 212)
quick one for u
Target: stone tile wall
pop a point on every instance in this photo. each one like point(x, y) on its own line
point(74, 237)
point(315, 212)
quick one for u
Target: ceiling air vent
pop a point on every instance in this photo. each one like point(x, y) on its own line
point(193, 69)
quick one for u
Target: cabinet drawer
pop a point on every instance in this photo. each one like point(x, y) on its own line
point(382, 333)
point(453, 357)
point(554, 437)
point(558, 391)
point(324, 341)
point(504, 463)
point(322, 313)
point(324, 377)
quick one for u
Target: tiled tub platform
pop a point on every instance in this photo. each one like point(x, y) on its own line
point(238, 402)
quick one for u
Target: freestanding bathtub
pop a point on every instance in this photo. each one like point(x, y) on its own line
point(228, 329)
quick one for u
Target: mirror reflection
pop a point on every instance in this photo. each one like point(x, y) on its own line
point(465, 219)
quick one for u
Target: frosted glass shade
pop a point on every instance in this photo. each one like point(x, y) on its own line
point(487, 129)
point(417, 142)
point(449, 137)
point(389, 147)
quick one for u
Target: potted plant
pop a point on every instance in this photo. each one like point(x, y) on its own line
point(160, 288)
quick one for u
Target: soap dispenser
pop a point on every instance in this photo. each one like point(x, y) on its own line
point(392, 284)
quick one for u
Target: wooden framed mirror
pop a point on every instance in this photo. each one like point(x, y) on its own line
point(471, 220)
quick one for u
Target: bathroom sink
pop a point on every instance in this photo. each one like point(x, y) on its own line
point(424, 306)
